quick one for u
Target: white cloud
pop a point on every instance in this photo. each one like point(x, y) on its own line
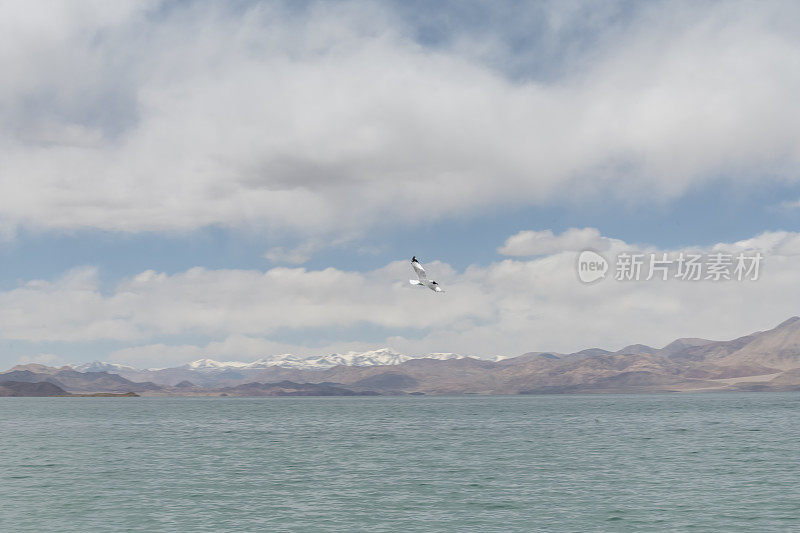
point(223, 302)
point(295, 256)
point(301, 253)
point(138, 116)
point(508, 307)
point(782, 243)
point(529, 243)
point(47, 359)
point(233, 347)
point(69, 309)
point(157, 355)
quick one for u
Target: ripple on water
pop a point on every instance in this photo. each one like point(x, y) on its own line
point(705, 462)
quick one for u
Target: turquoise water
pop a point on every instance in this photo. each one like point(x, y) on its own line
point(699, 462)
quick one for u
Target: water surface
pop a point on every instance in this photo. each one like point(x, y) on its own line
point(699, 462)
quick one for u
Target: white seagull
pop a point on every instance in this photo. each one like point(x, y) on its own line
point(423, 278)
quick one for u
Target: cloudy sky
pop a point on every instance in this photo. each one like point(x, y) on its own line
point(239, 179)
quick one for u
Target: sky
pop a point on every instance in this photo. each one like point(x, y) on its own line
point(235, 180)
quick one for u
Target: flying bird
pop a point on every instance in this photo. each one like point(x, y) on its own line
point(423, 280)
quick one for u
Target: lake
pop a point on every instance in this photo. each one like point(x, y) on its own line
point(699, 462)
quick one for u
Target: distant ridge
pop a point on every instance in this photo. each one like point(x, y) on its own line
point(209, 372)
point(764, 360)
point(788, 322)
point(74, 381)
point(29, 389)
point(383, 356)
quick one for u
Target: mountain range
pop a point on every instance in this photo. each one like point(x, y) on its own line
point(766, 360)
point(208, 372)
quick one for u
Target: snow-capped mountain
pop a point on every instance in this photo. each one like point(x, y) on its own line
point(383, 356)
point(444, 356)
point(210, 365)
point(101, 366)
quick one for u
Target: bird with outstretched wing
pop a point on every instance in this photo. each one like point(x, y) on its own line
point(422, 278)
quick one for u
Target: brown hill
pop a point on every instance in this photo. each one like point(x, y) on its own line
point(789, 380)
point(288, 388)
point(74, 381)
point(778, 348)
point(28, 389)
point(766, 360)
